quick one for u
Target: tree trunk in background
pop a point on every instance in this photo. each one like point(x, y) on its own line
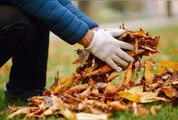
point(169, 12)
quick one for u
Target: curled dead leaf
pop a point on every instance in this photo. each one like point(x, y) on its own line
point(65, 84)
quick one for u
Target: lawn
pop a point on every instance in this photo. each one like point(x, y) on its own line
point(61, 56)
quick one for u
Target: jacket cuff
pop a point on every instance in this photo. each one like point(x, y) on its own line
point(79, 34)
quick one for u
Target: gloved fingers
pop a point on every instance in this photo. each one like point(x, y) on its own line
point(124, 55)
point(119, 60)
point(116, 32)
point(107, 29)
point(113, 29)
point(113, 65)
point(125, 45)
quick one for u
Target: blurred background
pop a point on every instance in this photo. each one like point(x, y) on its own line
point(158, 17)
point(134, 14)
point(123, 10)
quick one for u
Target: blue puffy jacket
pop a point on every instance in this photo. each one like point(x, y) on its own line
point(59, 16)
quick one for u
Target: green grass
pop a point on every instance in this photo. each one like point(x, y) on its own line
point(61, 56)
point(167, 112)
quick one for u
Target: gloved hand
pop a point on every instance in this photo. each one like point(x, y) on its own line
point(108, 49)
point(115, 32)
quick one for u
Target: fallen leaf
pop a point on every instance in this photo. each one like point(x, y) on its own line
point(154, 108)
point(100, 71)
point(89, 116)
point(113, 75)
point(111, 89)
point(66, 83)
point(128, 75)
point(140, 110)
point(1, 113)
point(136, 94)
point(168, 91)
point(117, 105)
point(149, 74)
point(26, 110)
point(167, 64)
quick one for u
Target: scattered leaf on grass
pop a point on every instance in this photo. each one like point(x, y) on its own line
point(140, 110)
point(154, 108)
point(1, 113)
point(89, 116)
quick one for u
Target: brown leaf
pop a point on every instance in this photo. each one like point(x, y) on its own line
point(128, 75)
point(76, 89)
point(95, 111)
point(117, 105)
point(65, 84)
point(36, 100)
point(154, 108)
point(100, 71)
point(89, 116)
point(1, 113)
point(83, 56)
point(110, 89)
point(168, 91)
point(85, 93)
point(91, 68)
point(26, 110)
point(153, 86)
point(140, 110)
point(113, 75)
point(54, 85)
point(94, 92)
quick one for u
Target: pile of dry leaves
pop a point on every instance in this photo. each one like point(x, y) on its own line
point(90, 91)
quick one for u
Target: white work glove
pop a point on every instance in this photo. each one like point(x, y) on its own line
point(115, 32)
point(109, 49)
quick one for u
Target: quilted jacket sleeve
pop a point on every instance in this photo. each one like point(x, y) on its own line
point(56, 18)
point(68, 4)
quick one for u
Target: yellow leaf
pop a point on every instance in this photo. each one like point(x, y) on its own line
point(149, 73)
point(167, 64)
point(110, 89)
point(66, 84)
point(136, 94)
point(128, 75)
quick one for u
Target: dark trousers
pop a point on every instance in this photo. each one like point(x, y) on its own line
point(26, 41)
